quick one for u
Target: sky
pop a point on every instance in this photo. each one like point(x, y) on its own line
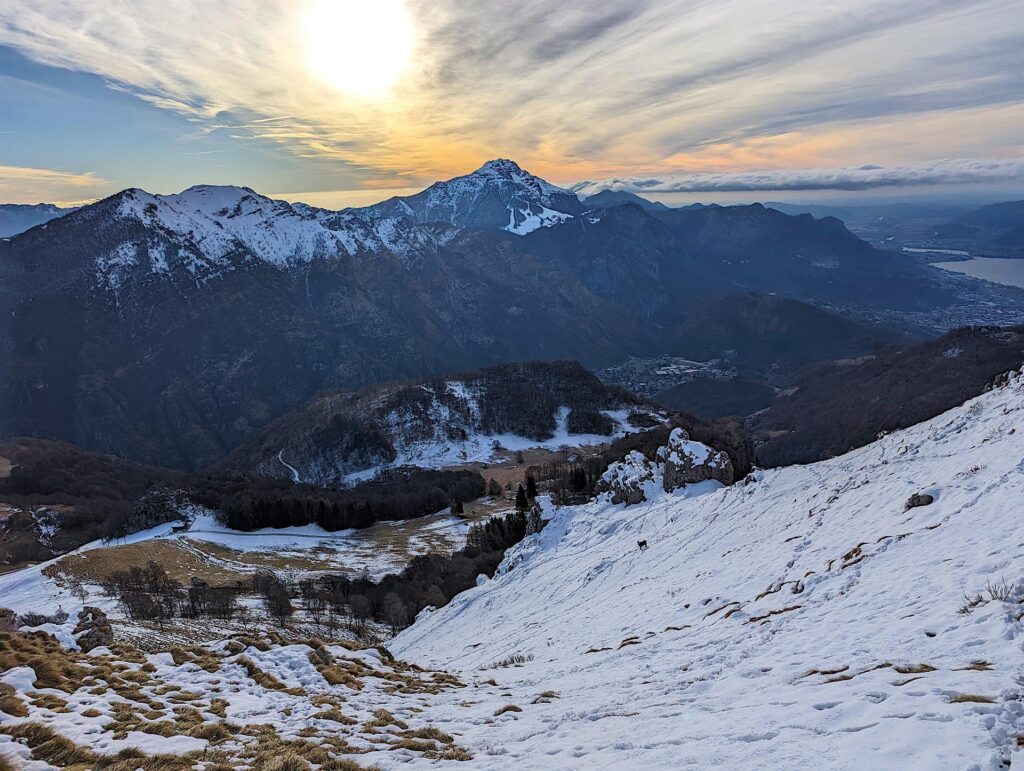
point(338, 102)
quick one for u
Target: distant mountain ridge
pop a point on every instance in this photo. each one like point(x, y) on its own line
point(17, 218)
point(999, 226)
point(171, 328)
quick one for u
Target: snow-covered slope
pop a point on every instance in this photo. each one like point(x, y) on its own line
point(498, 195)
point(805, 618)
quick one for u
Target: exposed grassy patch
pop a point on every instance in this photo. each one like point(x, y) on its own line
point(508, 708)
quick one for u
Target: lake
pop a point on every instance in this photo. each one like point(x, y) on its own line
point(1008, 272)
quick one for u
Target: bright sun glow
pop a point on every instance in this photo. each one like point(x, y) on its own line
point(360, 47)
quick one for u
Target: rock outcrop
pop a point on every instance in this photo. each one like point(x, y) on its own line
point(919, 499)
point(625, 480)
point(93, 629)
point(687, 462)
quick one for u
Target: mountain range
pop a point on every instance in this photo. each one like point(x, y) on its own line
point(16, 218)
point(171, 328)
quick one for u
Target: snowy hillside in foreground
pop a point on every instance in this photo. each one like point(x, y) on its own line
point(804, 619)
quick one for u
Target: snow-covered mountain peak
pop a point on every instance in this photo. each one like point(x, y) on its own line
point(500, 195)
point(504, 171)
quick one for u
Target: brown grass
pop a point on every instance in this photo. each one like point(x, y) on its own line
point(287, 762)
point(913, 669)
point(48, 701)
point(10, 703)
point(218, 707)
point(336, 715)
point(212, 732)
point(980, 666)
point(382, 718)
point(49, 746)
point(971, 698)
point(508, 708)
point(429, 733)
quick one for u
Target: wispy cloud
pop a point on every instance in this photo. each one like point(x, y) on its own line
point(19, 184)
point(865, 177)
point(573, 88)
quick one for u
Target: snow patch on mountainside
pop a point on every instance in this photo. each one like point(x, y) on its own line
point(525, 220)
point(805, 618)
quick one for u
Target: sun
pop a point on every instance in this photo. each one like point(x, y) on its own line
point(360, 47)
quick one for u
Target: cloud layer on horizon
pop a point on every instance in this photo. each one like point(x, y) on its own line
point(625, 88)
point(950, 171)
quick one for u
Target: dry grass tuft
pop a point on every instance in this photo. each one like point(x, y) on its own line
point(980, 665)
point(218, 707)
point(336, 715)
point(335, 675)
point(429, 733)
point(10, 703)
point(382, 718)
point(50, 747)
point(48, 701)
point(287, 762)
point(508, 708)
point(913, 669)
point(971, 698)
point(214, 733)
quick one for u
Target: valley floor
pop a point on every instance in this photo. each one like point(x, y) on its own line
point(803, 618)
